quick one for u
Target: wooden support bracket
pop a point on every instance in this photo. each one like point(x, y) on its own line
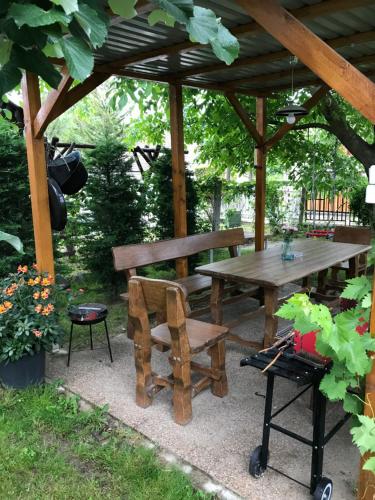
point(244, 117)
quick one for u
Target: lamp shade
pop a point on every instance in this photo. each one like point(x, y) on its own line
point(292, 109)
point(370, 193)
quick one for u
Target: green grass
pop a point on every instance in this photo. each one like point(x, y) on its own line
point(51, 450)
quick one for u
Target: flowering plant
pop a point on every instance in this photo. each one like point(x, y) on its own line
point(288, 232)
point(28, 318)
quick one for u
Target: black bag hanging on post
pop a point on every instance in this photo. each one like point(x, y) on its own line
point(69, 172)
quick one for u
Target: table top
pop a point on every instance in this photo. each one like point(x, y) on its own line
point(266, 267)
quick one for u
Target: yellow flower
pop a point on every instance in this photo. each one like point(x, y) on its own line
point(46, 281)
point(36, 295)
point(45, 293)
point(31, 282)
point(8, 304)
point(38, 308)
point(37, 280)
point(3, 309)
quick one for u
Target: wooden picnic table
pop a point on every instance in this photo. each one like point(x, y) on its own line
point(267, 270)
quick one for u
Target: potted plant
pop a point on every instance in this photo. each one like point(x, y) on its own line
point(28, 326)
point(288, 232)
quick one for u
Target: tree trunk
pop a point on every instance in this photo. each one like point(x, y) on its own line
point(302, 207)
point(216, 205)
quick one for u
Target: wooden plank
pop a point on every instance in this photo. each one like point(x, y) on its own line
point(252, 28)
point(51, 105)
point(325, 62)
point(341, 41)
point(178, 170)
point(244, 117)
point(260, 186)
point(286, 127)
point(37, 176)
point(265, 268)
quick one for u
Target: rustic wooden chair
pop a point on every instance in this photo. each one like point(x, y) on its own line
point(356, 235)
point(184, 336)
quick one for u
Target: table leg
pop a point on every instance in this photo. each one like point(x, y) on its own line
point(322, 281)
point(271, 321)
point(216, 302)
point(354, 266)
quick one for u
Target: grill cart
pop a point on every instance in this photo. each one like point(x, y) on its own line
point(307, 373)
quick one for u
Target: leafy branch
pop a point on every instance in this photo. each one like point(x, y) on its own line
point(345, 339)
point(73, 29)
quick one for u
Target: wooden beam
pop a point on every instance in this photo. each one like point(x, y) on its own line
point(252, 28)
point(178, 170)
point(244, 117)
point(260, 186)
point(37, 176)
point(366, 484)
point(266, 77)
point(77, 93)
point(51, 104)
point(286, 127)
point(341, 41)
point(325, 62)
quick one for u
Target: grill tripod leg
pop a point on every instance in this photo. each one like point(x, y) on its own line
point(319, 417)
point(266, 421)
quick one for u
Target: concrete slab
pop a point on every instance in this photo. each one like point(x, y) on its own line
point(223, 431)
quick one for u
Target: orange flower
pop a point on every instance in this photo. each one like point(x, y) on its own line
point(11, 289)
point(22, 269)
point(8, 304)
point(36, 295)
point(37, 333)
point(38, 308)
point(37, 280)
point(45, 293)
point(31, 282)
point(3, 309)
point(46, 281)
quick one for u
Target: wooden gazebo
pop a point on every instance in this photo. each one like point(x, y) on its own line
point(334, 41)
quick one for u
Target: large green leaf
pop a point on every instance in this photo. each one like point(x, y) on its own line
point(10, 77)
point(203, 26)
point(25, 36)
point(94, 27)
point(53, 50)
point(12, 240)
point(160, 16)
point(364, 435)
point(69, 6)
point(5, 48)
point(225, 46)
point(33, 16)
point(35, 61)
point(332, 388)
point(181, 10)
point(123, 8)
point(78, 57)
point(357, 288)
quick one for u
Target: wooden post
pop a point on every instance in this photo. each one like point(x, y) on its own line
point(366, 485)
point(37, 176)
point(178, 170)
point(260, 187)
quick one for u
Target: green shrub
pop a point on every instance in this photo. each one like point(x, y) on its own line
point(15, 214)
point(274, 210)
point(358, 206)
point(113, 208)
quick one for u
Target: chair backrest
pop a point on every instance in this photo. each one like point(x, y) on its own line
point(132, 256)
point(352, 234)
point(162, 297)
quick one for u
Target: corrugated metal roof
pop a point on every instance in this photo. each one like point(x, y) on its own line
point(199, 65)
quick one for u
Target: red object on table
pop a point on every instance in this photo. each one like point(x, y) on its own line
point(320, 233)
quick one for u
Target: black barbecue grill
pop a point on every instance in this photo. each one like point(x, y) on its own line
point(306, 373)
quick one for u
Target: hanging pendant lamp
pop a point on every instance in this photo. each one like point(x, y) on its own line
point(291, 110)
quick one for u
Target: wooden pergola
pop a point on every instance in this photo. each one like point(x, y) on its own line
point(334, 41)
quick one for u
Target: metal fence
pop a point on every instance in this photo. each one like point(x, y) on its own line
point(329, 208)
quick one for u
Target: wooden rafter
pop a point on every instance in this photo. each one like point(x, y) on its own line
point(252, 28)
point(244, 117)
point(325, 62)
point(341, 41)
point(286, 127)
point(52, 102)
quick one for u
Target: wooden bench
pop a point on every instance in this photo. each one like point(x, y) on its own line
point(128, 258)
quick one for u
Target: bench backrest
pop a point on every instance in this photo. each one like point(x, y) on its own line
point(132, 256)
point(352, 234)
